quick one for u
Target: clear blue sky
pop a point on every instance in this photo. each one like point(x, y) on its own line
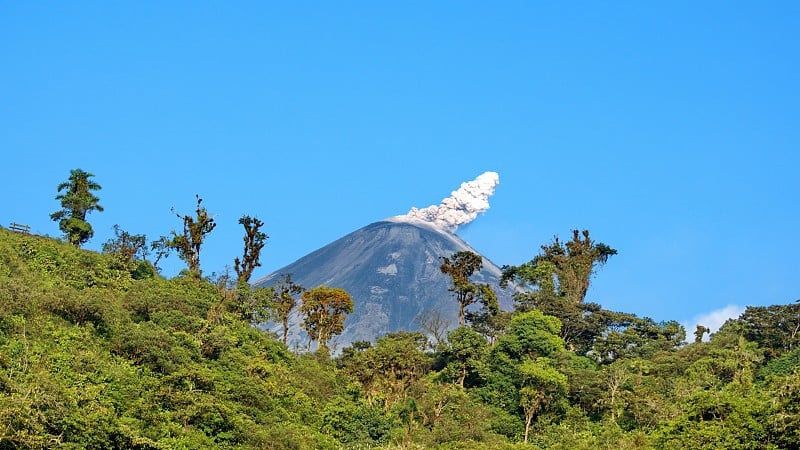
point(669, 130)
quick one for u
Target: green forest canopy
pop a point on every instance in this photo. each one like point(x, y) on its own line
point(97, 353)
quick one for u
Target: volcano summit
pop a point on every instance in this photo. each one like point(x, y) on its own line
point(391, 268)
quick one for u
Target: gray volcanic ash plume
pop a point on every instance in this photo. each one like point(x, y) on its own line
point(463, 205)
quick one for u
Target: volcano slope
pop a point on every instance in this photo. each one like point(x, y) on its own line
point(391, 269)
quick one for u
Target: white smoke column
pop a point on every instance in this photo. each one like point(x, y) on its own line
point(463, 205)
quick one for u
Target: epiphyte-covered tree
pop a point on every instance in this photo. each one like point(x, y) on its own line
point(284, 300)
point(254, 241)
point(563, 269)
point(161, 249)
point(189, 243)
point(324, 310)
point(459, 267)
point(558, 279)
point(77, 200)
point(130, 251)
point(129, 246)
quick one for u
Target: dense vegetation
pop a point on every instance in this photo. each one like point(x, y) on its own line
point(97, 350)
point(94, 355)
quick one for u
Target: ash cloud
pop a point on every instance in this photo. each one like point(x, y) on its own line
point(463, 205)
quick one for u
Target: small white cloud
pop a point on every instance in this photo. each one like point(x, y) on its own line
point(712, 320)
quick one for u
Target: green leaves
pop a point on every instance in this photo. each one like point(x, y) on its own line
point(77, 200)
point(324, 310)
point(189, 243)
point(459, 267)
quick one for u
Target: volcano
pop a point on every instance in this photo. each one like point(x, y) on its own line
point(391, 270)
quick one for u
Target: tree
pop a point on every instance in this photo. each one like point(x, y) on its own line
point(77, 201)
point(161, 247)
point(558, 280)
point(131, 252)
point(563, 269)
point(699, 332)
point(325, 309)
point(189, 243)
point(776, 328)
point(531, 334)
point(254, 241)
point(388, 370)
point(283, 301)
point(464, 354)
point(459, 268)
point(541, 383)
point(129, 246)
point(628, 335)
point(434, 324)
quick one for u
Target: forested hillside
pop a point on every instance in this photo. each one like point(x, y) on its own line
point(99, 351)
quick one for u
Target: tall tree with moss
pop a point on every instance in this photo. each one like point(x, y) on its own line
point(325, 309)
point(558, 279)
point(189, 243)
point(77, 200)
point(254, 241)
point(460, 267)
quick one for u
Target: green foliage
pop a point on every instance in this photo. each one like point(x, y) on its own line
point(388, 370)
point(254, 241)
point(358, 423)
point(324, 310)
point(282, 301)
point(628, 336)
point(464, 356)
point(77, 200)
point(563, 269)
point(775, 328)
point(92, 356)
point(531, 334)
point(460, 267)
point(541, 384)
point(557, 281)
point(190, 241)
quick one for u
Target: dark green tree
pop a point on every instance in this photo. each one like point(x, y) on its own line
point(775, 328)
point(699, 332)
point(628, 335)
point(77, 200)
point(558, 279)
point(463, 356)
point(459, 267)
point(131, 252)
point(188, 243)
point(254, 241)
point(563, 269)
